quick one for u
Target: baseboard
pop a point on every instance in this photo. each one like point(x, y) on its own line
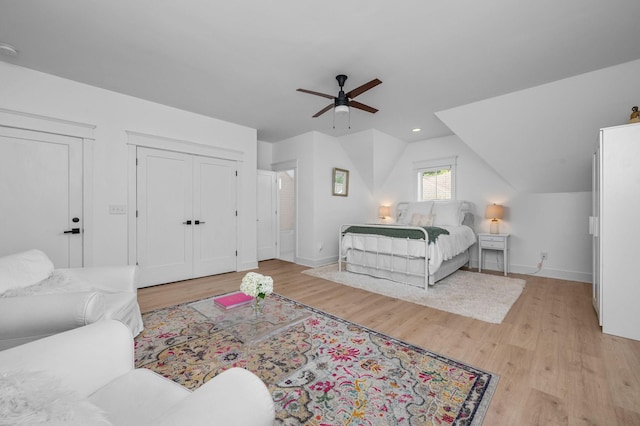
point(559, 274)
point(245, 266)
point(314, 263)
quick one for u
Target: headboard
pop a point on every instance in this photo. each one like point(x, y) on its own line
point(466, 208)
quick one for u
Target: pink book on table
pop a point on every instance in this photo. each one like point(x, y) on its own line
point(232, 300)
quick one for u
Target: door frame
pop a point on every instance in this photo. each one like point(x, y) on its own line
point(275, 215)
point(283, 166)
point(137, 139)
point(84, 132)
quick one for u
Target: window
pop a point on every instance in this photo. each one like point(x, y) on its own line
point(436, 179)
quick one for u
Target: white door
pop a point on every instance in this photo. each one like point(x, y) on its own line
point(186, 207)
point(214, 225)
point(267, 214)
point(41, 193)
point(164, 208)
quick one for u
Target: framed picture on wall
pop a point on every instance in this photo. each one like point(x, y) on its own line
point(340, 182)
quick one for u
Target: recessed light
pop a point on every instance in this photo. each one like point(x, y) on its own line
point(416, 130)
point(7, 49)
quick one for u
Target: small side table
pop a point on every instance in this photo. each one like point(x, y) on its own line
point(494, 242)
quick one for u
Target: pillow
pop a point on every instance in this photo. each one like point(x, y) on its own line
point(418, 207)
point(421, 220)
point(35, 398)
point(447, 213)
point(24, 269)
point(426, 220)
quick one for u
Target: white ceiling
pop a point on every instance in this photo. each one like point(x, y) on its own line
point(242, 61)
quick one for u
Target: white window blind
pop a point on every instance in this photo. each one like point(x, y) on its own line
point(436, 179)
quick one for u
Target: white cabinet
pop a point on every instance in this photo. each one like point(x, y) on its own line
point(616, 230)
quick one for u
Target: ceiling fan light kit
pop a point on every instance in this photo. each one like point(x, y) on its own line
point(342, 103)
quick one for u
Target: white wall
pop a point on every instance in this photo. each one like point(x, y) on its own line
point(555, 223)
point(264, 154)
point(319, 212)
point(113, 114)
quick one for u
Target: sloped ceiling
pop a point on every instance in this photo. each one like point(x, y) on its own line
point(541, 140)
point(242, 61)
point(488, 66)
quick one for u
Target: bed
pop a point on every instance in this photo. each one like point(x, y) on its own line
point(428, 241)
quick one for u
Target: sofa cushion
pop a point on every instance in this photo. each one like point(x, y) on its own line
point(24, 269)
point(32, 398)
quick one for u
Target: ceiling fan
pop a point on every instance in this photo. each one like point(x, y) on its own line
point(343, 101)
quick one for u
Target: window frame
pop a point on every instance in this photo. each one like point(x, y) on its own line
point(420, 167)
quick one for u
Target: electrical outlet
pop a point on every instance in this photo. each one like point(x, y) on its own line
point(543, 255)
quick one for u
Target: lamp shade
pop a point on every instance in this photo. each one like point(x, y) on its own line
point(494, 211)
point(384, 211)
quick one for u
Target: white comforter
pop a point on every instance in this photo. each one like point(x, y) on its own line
point(444, 248)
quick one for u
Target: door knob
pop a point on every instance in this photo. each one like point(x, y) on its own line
point(188, 222)
point(197, 222)
point(73, 231)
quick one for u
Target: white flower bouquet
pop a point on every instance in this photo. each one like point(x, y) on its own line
point(256, 285)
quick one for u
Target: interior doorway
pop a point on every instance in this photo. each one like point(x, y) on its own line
point(287, 215)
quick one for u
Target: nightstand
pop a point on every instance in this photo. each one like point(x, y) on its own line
point(494, 242)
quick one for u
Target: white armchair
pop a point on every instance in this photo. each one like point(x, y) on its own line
point(95, 363)
point(36, 301)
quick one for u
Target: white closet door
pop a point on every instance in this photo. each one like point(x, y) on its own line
point(267, 214)
point(164, 204)
point(41, 193)
point(215, 236)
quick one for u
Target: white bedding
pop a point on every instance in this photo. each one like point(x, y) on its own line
point(445, 247)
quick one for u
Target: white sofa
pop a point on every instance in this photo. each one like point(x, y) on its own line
point(95, 363)
point(37, 301)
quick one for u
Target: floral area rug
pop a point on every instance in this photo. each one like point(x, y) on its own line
point(320, 369)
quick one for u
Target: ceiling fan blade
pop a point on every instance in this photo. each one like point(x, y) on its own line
point(323, 110)
point(363, 107)
point(359, 90)
point(324, 95)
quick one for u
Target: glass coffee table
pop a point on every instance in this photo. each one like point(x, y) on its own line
point(251, 327)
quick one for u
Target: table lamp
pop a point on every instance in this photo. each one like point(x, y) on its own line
point(494, 212)
point(384, 212)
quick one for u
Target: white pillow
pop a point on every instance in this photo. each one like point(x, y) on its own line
point(24, 269)
point(447, 213)
point(418, 207)
point(426, 220)
point(421, 220)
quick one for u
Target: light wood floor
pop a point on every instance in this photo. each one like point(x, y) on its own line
point(556, 367)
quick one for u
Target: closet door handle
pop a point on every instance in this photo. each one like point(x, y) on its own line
point(187, 222)
point(197, 222)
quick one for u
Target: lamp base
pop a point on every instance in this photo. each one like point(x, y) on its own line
point(495, 227)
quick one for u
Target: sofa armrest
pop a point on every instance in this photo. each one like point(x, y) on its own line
point(235, 397)
point(112, 279)
point(27, 318)
point(84, 359)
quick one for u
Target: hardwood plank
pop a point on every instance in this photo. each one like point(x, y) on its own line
point(555, 364)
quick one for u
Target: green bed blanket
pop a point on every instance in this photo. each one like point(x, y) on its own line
point(398, 232)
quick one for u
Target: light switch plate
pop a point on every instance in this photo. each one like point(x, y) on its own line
point(117, 209)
